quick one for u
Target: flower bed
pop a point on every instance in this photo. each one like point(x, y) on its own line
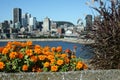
point(26, 57)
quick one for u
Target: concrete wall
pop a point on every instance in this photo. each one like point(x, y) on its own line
point(73, 75)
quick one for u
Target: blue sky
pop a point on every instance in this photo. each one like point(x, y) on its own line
point(57, 10)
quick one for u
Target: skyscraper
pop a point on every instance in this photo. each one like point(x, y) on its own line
point(46, 25)
point(26, 19)
point(32, 22)
point(17, 16)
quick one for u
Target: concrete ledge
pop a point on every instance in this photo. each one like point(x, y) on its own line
point(72, 75)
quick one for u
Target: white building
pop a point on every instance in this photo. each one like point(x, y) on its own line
point(46, 25)
point(32, 22)
point(53, 26)
point(69, 34)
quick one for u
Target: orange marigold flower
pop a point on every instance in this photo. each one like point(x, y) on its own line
point(29, 43)
point(29, 52)
point(37, 47)
point(52, 61)
point(47, 53)
point(52, 53)
point(33, 58)
point(13, 55)
point(13, 47)
point(23, 44)
point(50, 57)
point(60, 62)
point(5, 51)
point(37, 51)
point(58, 55)
point(67, 60)
point(20, 55)
point(79, 65)
point(53, 49)
point(9, 42)
point(54, 68)
point(46, 64)
point(8, 46)
point(59, 49)
point(2, 65)
point(1, 49)
point(46, 48)
point(16, 43)
point(25, 67)
point(41, 57)
point(63, 55)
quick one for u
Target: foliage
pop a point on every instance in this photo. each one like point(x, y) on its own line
point(107, 36)
point(26, 57)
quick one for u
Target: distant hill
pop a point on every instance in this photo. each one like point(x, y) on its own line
point(59, 23)
point(63, 22)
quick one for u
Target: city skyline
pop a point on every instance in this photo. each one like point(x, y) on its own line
point(60, 10)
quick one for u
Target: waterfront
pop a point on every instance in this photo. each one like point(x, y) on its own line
point(80, 41)
point(82, 50)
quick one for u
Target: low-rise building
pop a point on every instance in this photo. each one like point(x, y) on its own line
point(69, 34)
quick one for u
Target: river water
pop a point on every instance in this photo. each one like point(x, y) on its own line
point(82, 50)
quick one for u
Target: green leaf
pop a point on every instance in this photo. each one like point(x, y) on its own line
point(14, 67)
point(22, 50)
point(4, 58)
point(26, 57)
point(45, 69)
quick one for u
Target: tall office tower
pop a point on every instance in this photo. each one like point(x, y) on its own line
point(89, 22)
point(46, 25)
point(39, 25)
point(33, 22)
point(26, 19)
point(17, 19)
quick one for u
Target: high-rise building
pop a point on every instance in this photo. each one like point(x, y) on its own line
point(32, 22)
point(53, 26)
point(46, 25)
point(88, 22)
point(26, 19)
point(39, 25)
point(17, 16)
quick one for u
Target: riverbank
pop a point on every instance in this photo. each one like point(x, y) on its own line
point(81, 41)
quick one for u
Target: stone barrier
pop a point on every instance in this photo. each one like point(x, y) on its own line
point(72, 75)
